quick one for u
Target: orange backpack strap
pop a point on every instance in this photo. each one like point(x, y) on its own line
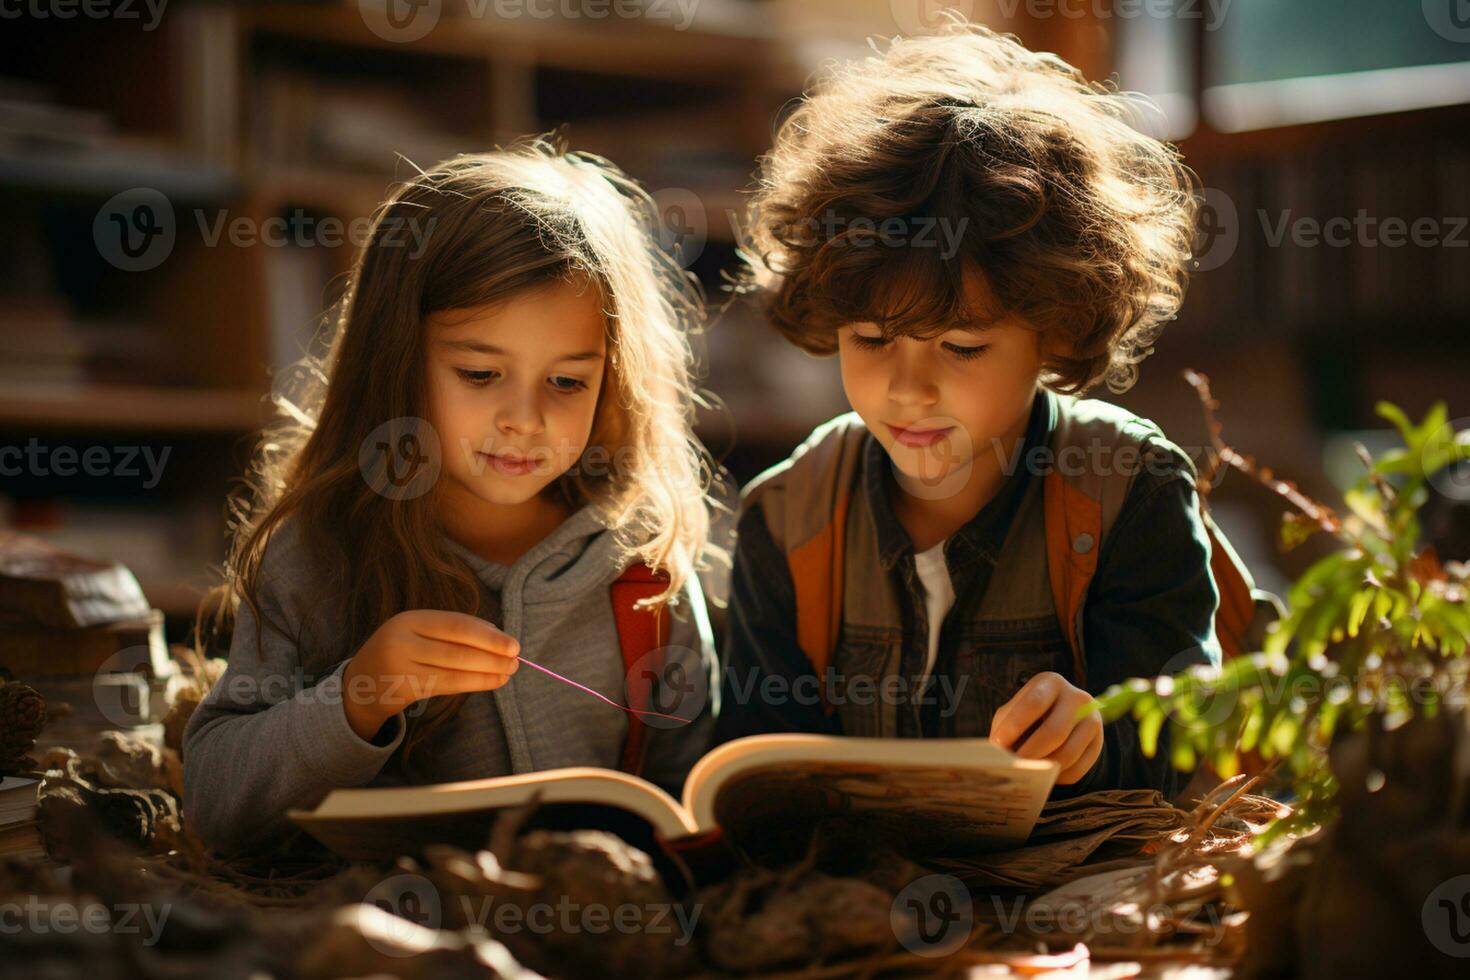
point(806, 501)
point(1244, 610)
point(817, 577)
point(1074, 534)
point(640, 631)
point(1079, 511)
point(1081, 500)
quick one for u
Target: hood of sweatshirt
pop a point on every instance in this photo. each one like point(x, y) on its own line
point(556, 600)
point(577, 557)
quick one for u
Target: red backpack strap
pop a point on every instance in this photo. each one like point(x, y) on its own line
point(640, 631)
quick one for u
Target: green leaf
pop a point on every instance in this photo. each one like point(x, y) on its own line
point(1181, 753)
point(1396, 461)
point(1366, 504)
point(1358, 611)
point(1394, 414)
point(1435, 422)
point(1148, 731)
point(1250, 733)
point(1282, 736)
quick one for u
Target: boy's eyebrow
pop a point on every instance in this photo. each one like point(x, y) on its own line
point(480, 347)
point(977, 325)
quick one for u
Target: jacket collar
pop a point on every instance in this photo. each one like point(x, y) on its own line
point(982, 535)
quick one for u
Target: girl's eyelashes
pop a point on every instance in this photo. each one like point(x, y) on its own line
point(559, 383)
point(476, 378)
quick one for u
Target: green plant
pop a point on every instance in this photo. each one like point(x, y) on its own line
point(1378, 629)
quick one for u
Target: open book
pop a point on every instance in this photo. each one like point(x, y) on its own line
point(761, 793)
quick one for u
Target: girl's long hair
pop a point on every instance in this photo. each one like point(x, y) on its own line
point(488, 226)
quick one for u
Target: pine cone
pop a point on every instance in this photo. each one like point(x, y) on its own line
point(22, 715)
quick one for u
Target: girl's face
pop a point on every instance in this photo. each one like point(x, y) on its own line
point(513, 388)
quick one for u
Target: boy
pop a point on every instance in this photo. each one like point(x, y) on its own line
point(978, 235)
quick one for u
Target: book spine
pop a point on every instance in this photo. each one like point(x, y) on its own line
point(28, 652)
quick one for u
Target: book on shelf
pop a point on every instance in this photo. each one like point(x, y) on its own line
point(309, 120)
point(136, 644)
point(80, 632)
point(761, 794)
point(43, 585)
point(38, 342)
point(31, 118)
point(20, 834)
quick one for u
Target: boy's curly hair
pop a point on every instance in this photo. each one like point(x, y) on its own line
point(1078, 222)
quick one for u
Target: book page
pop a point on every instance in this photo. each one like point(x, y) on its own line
point(924, 796)
point(366, 823)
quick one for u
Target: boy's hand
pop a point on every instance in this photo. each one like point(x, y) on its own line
point(1051, 705)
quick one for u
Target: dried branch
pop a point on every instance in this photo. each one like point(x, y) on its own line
point(1318, 513)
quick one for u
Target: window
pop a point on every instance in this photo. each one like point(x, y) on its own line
point(1271, 63)
point(1280, 62)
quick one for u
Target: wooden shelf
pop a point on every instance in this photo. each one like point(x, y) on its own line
point(175, 598)
point(348, 194)
point(686, 107)
point(638, 48)
point(1206, 146)
point(102, 171)
point(131, 407)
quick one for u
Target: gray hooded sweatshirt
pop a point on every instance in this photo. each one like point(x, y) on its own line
point(272, 734)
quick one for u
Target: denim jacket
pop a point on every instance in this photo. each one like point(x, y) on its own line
point(1150, 609)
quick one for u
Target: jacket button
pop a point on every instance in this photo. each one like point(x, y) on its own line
point(1082, 544)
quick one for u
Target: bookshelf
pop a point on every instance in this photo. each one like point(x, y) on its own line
point(1303, 334)
point(298, 111)
point(125, 407)
point(292, 111)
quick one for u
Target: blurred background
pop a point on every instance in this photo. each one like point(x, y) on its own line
point(183, 185)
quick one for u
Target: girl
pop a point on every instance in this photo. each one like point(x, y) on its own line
point(498, 432)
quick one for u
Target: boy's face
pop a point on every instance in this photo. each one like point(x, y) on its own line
point(513, 389)
point(941, 405)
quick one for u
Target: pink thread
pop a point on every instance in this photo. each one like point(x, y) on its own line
point(568, 680)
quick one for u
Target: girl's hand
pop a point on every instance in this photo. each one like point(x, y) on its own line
point(1052, 705)
point(419, 654)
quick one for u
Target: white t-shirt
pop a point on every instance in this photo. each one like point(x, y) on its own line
point(938, 597)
